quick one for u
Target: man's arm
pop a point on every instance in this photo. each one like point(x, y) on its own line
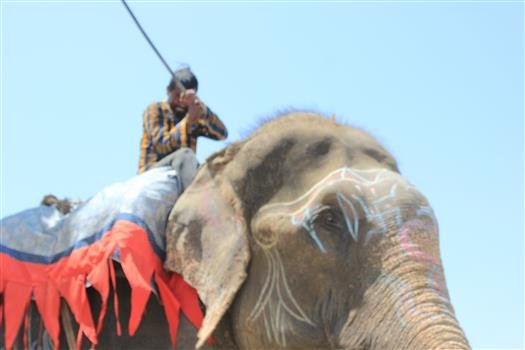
point(209, 125)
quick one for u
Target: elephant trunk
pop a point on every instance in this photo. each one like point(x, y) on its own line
point(431, 324)
point(413, 312)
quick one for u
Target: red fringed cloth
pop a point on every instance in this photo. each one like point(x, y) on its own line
point(45, 256)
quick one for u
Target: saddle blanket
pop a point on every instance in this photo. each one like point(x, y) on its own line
point(46, 256)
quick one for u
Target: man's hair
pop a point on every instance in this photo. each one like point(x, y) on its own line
point(186, 78)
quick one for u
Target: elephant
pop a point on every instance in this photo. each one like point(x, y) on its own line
point(302, 235)
point(305, 235)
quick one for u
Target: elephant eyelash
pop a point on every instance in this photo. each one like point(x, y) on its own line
point(314, 214)
point(317, 211)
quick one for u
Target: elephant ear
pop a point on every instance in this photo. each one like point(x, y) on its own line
point(207, 240)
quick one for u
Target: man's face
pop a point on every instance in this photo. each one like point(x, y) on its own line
point(182, 99)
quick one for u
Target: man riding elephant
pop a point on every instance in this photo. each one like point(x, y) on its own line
point(171, 128)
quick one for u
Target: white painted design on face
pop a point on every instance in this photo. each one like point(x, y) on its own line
point(346, 204)
point(306, 221)
point(355, 177)
point(313, 234)
point(364, 182)
point(427, 211)
point(389, 196)
point(276, 303)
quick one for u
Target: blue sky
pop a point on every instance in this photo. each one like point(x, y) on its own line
point(439, 83)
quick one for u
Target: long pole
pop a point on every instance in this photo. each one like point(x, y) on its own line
point(177, 82)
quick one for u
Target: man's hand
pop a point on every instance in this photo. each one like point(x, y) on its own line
point(187, 97)
point(196, 108)
point(195, 111)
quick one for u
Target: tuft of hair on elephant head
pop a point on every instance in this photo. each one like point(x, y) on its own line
point(305, 235)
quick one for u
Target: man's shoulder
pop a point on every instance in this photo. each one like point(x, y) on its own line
point(154, 107)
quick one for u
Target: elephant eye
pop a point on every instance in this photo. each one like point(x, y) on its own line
point(330, 219)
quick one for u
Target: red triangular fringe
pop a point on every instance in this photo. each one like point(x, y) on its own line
point(66, 278)
point(115, 297)
point(48, 303)
point(99, 277)
point(14, 311)
point(171, 308)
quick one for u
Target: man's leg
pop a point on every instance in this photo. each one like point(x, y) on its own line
point(184, 162)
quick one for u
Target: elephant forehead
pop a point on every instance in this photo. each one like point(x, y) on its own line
point(380, 196)
point(369, 184)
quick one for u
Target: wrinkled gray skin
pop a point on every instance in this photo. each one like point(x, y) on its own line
point(305, 235)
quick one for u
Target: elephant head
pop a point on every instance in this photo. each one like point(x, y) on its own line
point(305, 235)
